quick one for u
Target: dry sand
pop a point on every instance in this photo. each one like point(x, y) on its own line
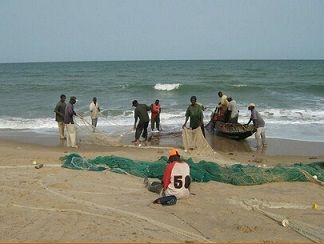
point(61, 205)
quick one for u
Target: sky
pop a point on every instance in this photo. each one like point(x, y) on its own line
point(104, 30)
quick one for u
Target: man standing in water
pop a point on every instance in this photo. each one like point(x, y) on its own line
point(259, 123)
point(232, 111)
point(94, 110)
point(194, 112)
point(222, 106)
point(155, 115)
point(59, 115)
point(140, 114)
point(69, 123)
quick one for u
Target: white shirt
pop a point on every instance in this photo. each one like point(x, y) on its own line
point(232, 106)
point(179, 180)
point(94, 110)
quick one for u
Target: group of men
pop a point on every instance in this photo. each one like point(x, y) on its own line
point(228, 112)
point(64, 116)
point(176, 177)
point(142, 119)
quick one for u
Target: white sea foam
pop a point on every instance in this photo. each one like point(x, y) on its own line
point(239, 85)
point(296, 124)
point(167, 87)
point(273, 116)
point(23, 123)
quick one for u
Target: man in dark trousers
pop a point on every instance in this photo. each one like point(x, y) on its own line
point(140, 115)
point(59, 115)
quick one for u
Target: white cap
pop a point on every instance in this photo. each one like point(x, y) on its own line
point(251, 105)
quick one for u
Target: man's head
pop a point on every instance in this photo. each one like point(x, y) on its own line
point(134, 103)
point(63, 97)
point(220, 94)
point(229, 99)
point(174, 155)
point(251, 106)
point(157, 101)
point(73, 100)
point(193, 99)
point(94, 99)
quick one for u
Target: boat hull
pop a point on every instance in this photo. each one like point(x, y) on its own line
point(232, 131)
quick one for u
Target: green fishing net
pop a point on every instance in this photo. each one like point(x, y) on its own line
point(203, 171)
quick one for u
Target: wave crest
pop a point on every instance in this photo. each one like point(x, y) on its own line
point(166, 87)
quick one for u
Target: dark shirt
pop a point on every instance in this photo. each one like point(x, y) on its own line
point(60, 111)
point(196, 115)
point(141, 113)
point(69, 112)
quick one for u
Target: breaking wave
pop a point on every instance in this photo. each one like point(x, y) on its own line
point(167, 87)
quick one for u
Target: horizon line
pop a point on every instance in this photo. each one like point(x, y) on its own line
point(156, 60)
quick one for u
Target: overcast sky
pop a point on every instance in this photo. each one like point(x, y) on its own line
point(90, 30)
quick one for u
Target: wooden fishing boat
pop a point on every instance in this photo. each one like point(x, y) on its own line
point(229, 130)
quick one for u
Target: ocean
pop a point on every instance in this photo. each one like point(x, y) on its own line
point(288, 94)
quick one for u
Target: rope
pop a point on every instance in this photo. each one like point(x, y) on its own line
point(311, 178)
point(311, 232)
point(172, 229)
point(27, 166)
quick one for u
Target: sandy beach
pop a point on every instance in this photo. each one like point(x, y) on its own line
point(61, 205)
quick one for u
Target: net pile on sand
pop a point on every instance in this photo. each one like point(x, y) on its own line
point(88, 135)
point(195, 144)
point(202, 171)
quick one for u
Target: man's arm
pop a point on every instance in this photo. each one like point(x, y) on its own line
point(167, 175)
point(187, 118)
point(252, 118)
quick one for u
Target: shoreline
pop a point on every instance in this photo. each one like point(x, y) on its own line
point(275, 146)
point(278, 151)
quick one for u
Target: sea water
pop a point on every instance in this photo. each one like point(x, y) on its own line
point(288, 94)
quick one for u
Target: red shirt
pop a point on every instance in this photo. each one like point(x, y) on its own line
point(155, 110)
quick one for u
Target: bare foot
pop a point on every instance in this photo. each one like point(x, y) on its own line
point(136, 142)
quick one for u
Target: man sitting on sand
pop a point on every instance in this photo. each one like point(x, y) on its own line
point(176, 178)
